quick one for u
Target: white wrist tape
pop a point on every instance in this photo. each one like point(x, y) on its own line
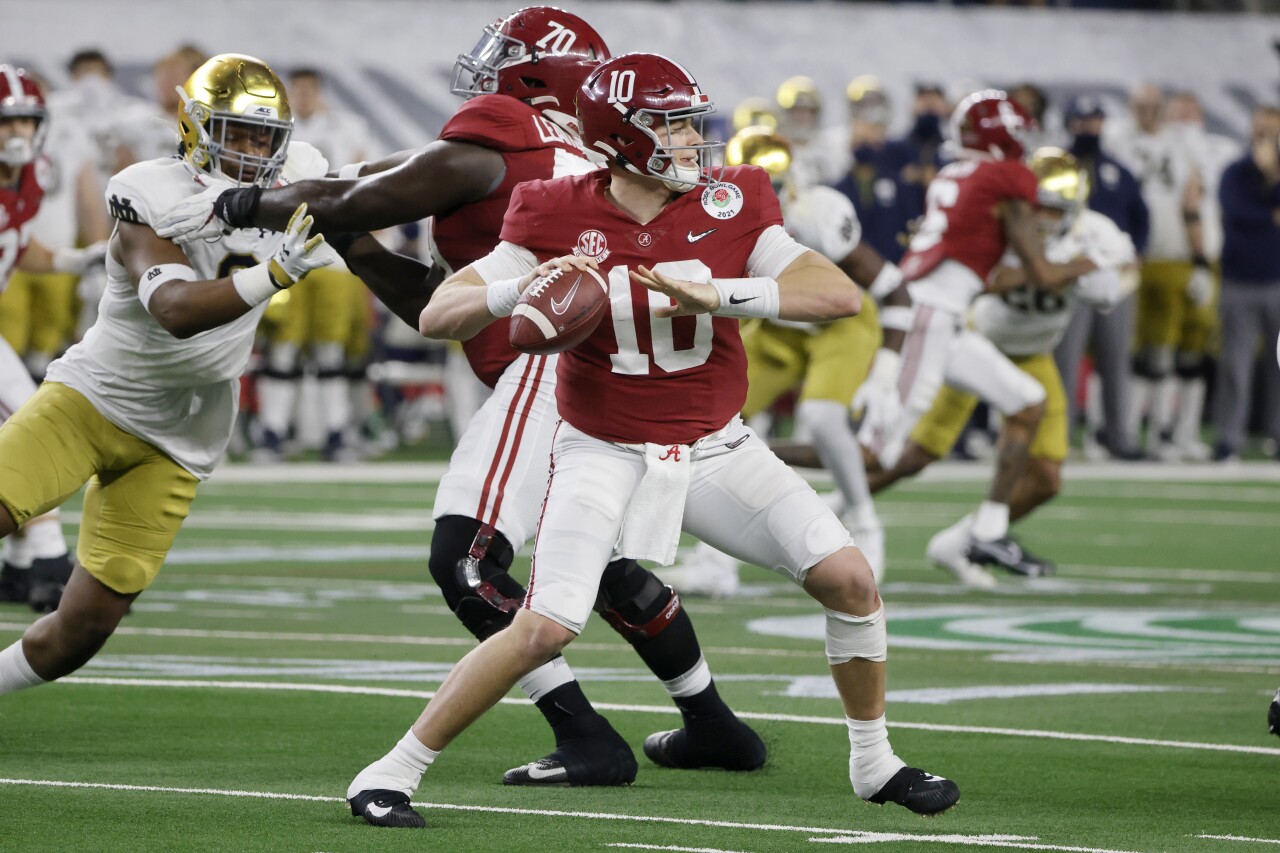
point(886, 281)
point(68, 260)
point(351, 171)
point(160, 274)
point(897, 317)
point(502, 296)
point(255, 284)
point(747, 297)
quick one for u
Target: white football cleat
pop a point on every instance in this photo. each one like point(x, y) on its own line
point(706, 572)
point(869, 537)
point(946, 548)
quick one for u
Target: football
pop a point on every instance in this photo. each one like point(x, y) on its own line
point(558, 311)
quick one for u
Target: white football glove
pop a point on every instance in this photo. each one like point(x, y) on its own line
point(299, 253)
point(193, 218)
point(78, 260)
point(1200, 286)
point(877, 398)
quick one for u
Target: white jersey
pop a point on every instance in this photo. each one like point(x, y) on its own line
point(341, 137)
point(1164, 166)
point(824, 220)
point(1212, 154)
point(180, 395)
point(68, 149)
point(1028, 321)
point(111, 117)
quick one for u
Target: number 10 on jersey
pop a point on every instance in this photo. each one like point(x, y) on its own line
point(624, 303)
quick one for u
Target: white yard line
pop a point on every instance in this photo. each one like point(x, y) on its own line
point(663, 709)
point(831, 835)
point(1241, 838)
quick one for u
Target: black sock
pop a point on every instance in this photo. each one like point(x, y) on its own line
point(672, 653)
point(569, 712)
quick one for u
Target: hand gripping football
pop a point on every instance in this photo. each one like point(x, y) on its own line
point(558, 311)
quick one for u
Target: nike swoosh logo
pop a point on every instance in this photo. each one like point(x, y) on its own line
point(733, 300)
point(737, 442)
point(693, 238)
point(378, 811)
point(536, 772)
point(559, 307)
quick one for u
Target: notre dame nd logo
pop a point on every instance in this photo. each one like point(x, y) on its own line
point(122, 209)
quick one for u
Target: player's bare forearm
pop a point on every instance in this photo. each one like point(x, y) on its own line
point(458, 310)
point(1006, 278)
point(1028, 244)
point(403, 284)
point(863, 264)
point(431, 181)
point(182, 308)
point(36, 259)
point(812, 289)
point(798, 454)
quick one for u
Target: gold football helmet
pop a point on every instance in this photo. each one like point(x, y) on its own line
point(867, 100)
point(760, 145)
point(1063, 184)
point(235, 120)
point(752, 112)
point(799, 92)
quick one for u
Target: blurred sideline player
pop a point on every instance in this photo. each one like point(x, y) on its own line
point(827, 360)
point(326, 317)
point(35, 561)
point(142, 408)
point(1176, 317)
point(819, 155)
point(517, 124)
point(1024, 324)
point(978, 207)
point(38, 312)
point(634, 461)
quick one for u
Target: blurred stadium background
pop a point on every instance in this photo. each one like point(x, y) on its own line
point(1116, 707)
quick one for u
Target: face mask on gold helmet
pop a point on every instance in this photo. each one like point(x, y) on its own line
point(1063, 184)
point(227, 99)
point(752, 112)
point(761, 146)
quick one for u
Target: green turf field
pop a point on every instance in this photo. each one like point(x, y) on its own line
point(295, 634)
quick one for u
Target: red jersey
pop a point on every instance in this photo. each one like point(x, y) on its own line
point(532, 147)
point(960, 222)
point(638, 377)
point(19, 204)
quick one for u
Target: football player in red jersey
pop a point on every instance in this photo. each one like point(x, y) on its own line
point(651, 441)
point(36, 565)
point(977, 207)
point(518, 124)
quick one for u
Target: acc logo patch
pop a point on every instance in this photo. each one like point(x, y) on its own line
point(592, 244)
point(722, 201)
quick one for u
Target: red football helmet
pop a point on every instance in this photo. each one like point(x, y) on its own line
point(20, 97)
point(990, 122)
point(625, 99)
point(539, 54)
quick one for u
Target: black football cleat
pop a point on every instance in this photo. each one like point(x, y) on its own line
point(918, 791)
point(15, 584)
point(603, 759)
point(1273, 715)
point(1007, 553)
point(729, 744)
point(49, 578)
point(386, 808)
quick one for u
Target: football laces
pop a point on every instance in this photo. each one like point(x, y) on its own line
point(540, 284)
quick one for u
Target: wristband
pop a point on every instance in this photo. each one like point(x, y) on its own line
point(747, 297)
point(238, 207)
point(886, 281)
point(255, 284)
point(501, 296)
point(343, 241)
point(160, 274)
point(68, 260)
point(896, 317)
point(351, 171)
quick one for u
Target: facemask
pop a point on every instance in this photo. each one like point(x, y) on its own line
point(927, 129)
point(1086, 145)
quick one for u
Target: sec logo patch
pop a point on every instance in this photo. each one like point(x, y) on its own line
point(722, 201)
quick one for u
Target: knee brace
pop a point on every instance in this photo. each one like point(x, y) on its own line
point(634, 602)
point(469, 562)
point(850, 637)
point(282, 362)
point(1190, 365)
point(1153, 363)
